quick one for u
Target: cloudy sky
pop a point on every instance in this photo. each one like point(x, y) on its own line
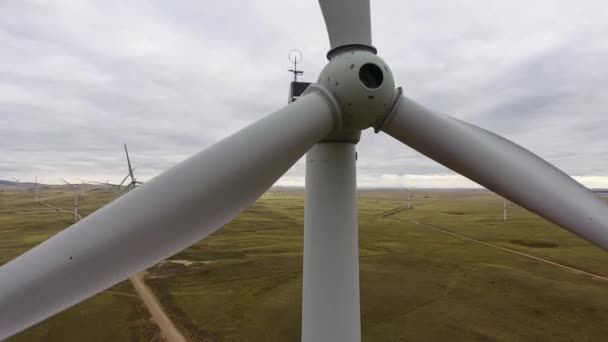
point(79, 78)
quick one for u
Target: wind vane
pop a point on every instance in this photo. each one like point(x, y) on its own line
point(296, 89)
point(295, 56)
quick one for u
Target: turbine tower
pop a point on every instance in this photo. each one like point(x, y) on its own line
point(17, 182)
point(75, 189)
point(355, 91)
point(408, 191)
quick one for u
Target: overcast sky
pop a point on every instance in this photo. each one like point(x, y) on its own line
point(79, 78)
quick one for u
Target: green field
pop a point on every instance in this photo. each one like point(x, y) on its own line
point(416, 284)
point(243, 283)
point(113, 315)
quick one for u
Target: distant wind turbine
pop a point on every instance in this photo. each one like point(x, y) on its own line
point(75, 189)
point(17, 180)
point(134, 182)
point(116, 186)
point(409, 191)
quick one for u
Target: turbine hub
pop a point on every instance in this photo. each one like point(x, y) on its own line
point(362, 86)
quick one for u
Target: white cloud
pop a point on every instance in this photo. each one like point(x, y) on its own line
point(79, 78)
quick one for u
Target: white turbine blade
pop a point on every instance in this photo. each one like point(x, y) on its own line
point(129, 163)
point(160, 218)
point(503, 167)
point(108, 184)
point(124, 179)
point(66, 182)
point(348, 22)
point(102, 183)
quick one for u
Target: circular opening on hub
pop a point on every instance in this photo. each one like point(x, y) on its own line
point(371, 76)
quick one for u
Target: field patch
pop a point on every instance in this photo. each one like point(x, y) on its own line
point(534, 243)
point(459, 213)
point(244, 282)
point(116, 314)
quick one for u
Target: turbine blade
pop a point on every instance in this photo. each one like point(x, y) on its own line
point(503, 167)
point(129, 163)
point(66, 182)
point(348, 23)
point(101, 183)
point(159, 218)
point(104, 183)
point(123, 180)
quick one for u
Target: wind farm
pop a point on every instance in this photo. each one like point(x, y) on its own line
point(355, 210)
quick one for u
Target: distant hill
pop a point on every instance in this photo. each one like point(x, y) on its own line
point(10, 185)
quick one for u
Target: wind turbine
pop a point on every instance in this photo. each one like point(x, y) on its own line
point(116, 186)
point(134, 182)
point(354, 91)
point(408, 190)
point(75, 189)
point(17, 182)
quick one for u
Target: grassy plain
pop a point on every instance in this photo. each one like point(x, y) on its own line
point(113, 315)
point(417, 284)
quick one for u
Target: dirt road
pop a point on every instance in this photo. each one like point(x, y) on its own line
point(568, 268)
point(60, 209)
point(167, 329)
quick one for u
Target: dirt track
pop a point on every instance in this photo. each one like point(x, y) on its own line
point(167, 329)
point(568, 268)
point(60, 209)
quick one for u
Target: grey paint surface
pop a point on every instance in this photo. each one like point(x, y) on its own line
point(160, 218)
point(503, 167)
point(330, 299)
point(347, 22)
